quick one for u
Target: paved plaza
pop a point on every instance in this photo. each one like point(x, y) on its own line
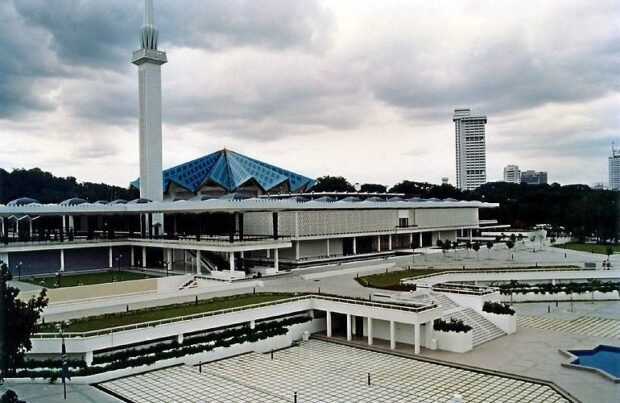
point(326, 372)
point(598, 327)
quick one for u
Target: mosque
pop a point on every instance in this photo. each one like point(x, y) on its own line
point(223, 215)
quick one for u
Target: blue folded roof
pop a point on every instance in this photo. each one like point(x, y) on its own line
point(230, 170)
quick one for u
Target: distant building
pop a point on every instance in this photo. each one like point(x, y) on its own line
point(512, 174)
point(534, 177)
point(444, 181)
point(598, 186)
point(614, 169)
point(470, 149)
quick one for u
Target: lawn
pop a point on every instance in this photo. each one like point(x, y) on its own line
point(589, 247)
point(164, 312)
point(72, 280)
point(391, 280)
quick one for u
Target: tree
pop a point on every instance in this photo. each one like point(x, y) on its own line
point(593, 284)
point(609, 251)
point(23, 317)
point(373, 188)
point(468, 247)
point(510, 244)
point(10, 397)
point(332, 184)
point(476, 248)
point(489, 246)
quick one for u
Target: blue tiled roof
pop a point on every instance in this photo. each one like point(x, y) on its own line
point(230, 170)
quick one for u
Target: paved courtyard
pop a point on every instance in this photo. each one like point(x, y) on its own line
point(325, 372)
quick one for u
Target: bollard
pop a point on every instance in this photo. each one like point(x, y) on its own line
point(126, 308)
point(272, 353)
point(556, 303)
point(295, 397)
point(254, 291)
point(369, 379)
point(196, 300)
point(319, 290)
point(548, 309)
point(369, 297)
point(200, 367)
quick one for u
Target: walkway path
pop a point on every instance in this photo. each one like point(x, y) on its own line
point(598, 327)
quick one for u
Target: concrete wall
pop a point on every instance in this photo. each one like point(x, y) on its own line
point(446, 217)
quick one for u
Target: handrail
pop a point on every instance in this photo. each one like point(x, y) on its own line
point(116, 329)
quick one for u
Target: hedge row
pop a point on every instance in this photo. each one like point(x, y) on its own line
point(550, 288)
point(162, 351)
point(497, 308)
point(453, 326)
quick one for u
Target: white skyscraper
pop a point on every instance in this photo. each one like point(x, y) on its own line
point(614, 169)
point(471, 165)
point(149, 61)
point(512, 174)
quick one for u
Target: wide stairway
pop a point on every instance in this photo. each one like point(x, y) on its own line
point(483, 329)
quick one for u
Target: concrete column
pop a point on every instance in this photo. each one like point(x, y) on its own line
point(420, 239)
point(276, 262)
point(64, 223)
point(268, 253)
point(62, 260)
point(231, 261)
point(144, 257)
point(328, 315)
point(88, 358)
point(71, 222)
point(354, 246)
point(198, 263)
point(110, 258)
point(328, 252)
point(169, 259)
point(390, 242)
point(353, 325)
point(369, 330)
point(392, 335)
point(428, 334)
point(180, 338)
point(252, 324)
point(297, 250)
point(471, 231)
point(133, 257)
point(349, 335)
point(416, 338)
point(410, 238)
point(378, 243)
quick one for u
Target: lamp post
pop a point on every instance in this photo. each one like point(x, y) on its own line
point(63, 354)
point(19, 271)
point(59, 275)
point(118, 261)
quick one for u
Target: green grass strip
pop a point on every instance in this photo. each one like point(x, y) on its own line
point(589, 247)
point(163, 312)
point(72, 280)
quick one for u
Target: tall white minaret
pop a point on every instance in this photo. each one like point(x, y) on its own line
point(149, 61)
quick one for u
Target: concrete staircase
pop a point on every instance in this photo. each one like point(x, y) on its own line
point(483, 329)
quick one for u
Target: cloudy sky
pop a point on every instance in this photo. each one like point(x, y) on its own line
point(362, 89)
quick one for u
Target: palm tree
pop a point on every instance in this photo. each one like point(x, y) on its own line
point(593, 285)
point(510, 245)
point(489, 246)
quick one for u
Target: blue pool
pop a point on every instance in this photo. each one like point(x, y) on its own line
point(605, 358)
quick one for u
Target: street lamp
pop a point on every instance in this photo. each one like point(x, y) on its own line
point(118, 260)
point(19, 271)
point(63, 353)
point(59, 274)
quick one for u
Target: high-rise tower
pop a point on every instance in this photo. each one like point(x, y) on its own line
point(614, 168)
point(149, 61)
point(471, 165)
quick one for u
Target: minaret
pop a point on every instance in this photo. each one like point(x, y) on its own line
point(149, 61)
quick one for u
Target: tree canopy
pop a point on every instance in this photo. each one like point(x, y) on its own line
point(48, 188)
point(332, 184)
point(22, 317)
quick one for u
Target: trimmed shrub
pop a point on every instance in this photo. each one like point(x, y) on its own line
point(453, 325)
point(497, 308)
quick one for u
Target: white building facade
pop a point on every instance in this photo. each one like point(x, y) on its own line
point(512, 174)
point(470, 149)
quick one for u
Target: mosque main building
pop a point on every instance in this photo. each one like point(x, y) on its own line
point(223, 215)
